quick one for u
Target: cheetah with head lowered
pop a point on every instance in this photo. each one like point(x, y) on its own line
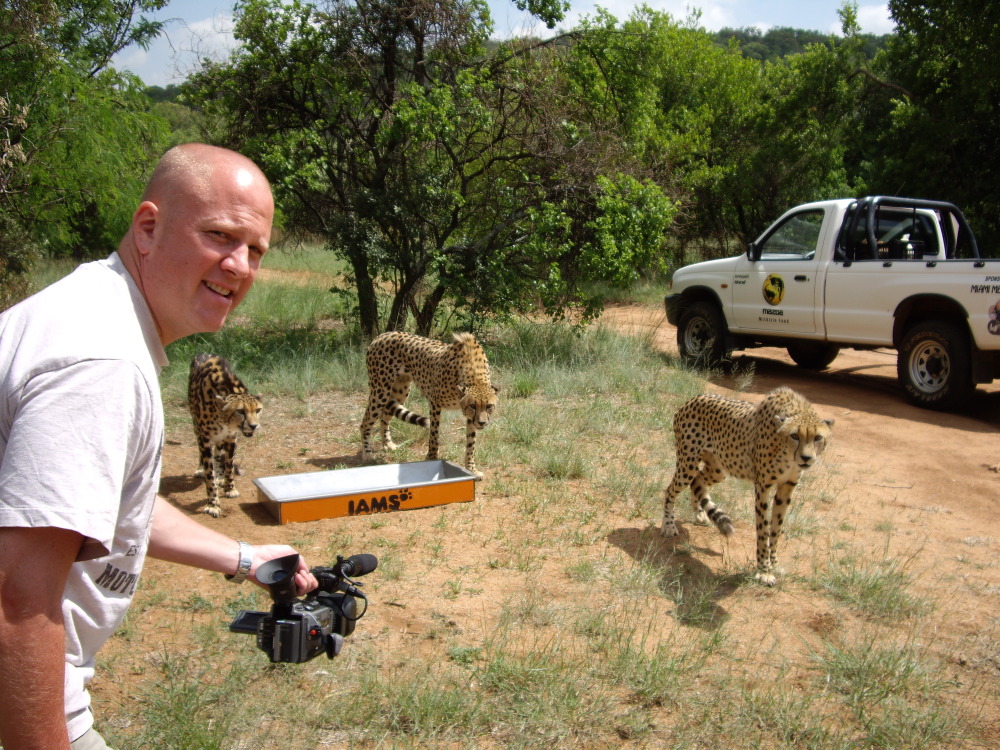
point(769, 444)
point(221, 408)
point(451, 376)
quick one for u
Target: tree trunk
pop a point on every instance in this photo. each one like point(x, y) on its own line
point(425, 313)
point(367, 303)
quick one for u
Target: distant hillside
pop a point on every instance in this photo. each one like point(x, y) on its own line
point(776, 43)
point(161, 94)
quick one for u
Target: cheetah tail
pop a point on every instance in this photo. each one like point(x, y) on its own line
point(721, 521)
point(402, 413)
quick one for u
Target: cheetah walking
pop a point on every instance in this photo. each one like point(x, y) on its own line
point(221, 408)
point(770, 444)
point(451, 376)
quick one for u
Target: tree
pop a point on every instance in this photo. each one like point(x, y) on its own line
point(940, 138)
point(737, 140)
point(775, 43)
point(439, 171)
point(77, 135)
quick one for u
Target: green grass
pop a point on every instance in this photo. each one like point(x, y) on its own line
point(309, 258)
point(897, 690)
point(877, 587)
point(48, 271)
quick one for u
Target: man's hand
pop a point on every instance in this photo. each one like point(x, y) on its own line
point(304, 580)
point(178, 538)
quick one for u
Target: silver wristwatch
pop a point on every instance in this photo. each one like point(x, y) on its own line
point(243, 569)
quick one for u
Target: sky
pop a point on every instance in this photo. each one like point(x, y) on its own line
point(203, 28)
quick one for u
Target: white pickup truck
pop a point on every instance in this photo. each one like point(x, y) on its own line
point(854, 273)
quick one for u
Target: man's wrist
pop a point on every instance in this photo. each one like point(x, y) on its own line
point(243, 566)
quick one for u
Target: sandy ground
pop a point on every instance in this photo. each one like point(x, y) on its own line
point(924, 475)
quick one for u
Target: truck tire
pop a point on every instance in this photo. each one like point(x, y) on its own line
point(701, 335)
point(934, 365)
point(812, 356)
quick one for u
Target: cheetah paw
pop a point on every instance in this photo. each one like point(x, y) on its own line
point(669, 528)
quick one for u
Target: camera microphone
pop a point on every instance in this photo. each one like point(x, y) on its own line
point(356, 565)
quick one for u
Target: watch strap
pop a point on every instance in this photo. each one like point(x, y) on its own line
point(243, 568)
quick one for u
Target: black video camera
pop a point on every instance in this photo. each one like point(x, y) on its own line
point(296, 630)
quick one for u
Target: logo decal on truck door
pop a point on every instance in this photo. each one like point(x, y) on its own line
point(774, 289)
point(993, 324)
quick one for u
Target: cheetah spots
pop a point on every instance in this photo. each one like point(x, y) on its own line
point(452, 376)
point(221, 409)
point(770, 444)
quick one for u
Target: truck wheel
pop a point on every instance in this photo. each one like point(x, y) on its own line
point(701, 335)
point(934, 365)
point(813, 356)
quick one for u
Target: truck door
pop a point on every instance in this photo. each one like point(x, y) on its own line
point(781, 292)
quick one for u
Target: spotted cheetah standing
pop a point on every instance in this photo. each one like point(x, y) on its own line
point(221, 408)
point(770, 444)
point(451, 376)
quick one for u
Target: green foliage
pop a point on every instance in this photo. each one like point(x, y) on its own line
point(77, 136)
point(159, 94)
point(940, 79)
point(185, 124)
point(461, 181)
point(17, 254)
point(777, 42)
point(736, 140)
point(88, 177)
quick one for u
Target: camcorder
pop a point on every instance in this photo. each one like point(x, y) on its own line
point(296, 630)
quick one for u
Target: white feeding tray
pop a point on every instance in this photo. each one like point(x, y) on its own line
point(365, 490)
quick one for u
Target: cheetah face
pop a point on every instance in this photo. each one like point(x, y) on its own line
point(241, 411)
point(807, 439)
point(478, 404)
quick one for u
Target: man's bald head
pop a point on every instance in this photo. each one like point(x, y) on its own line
point(190, 167)
point(198, 236)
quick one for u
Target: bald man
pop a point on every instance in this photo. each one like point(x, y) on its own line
point(81, 434)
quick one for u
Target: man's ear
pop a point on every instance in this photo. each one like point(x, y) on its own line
point(144, 226)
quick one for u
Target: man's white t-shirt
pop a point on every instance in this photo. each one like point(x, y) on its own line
point(81, 436)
